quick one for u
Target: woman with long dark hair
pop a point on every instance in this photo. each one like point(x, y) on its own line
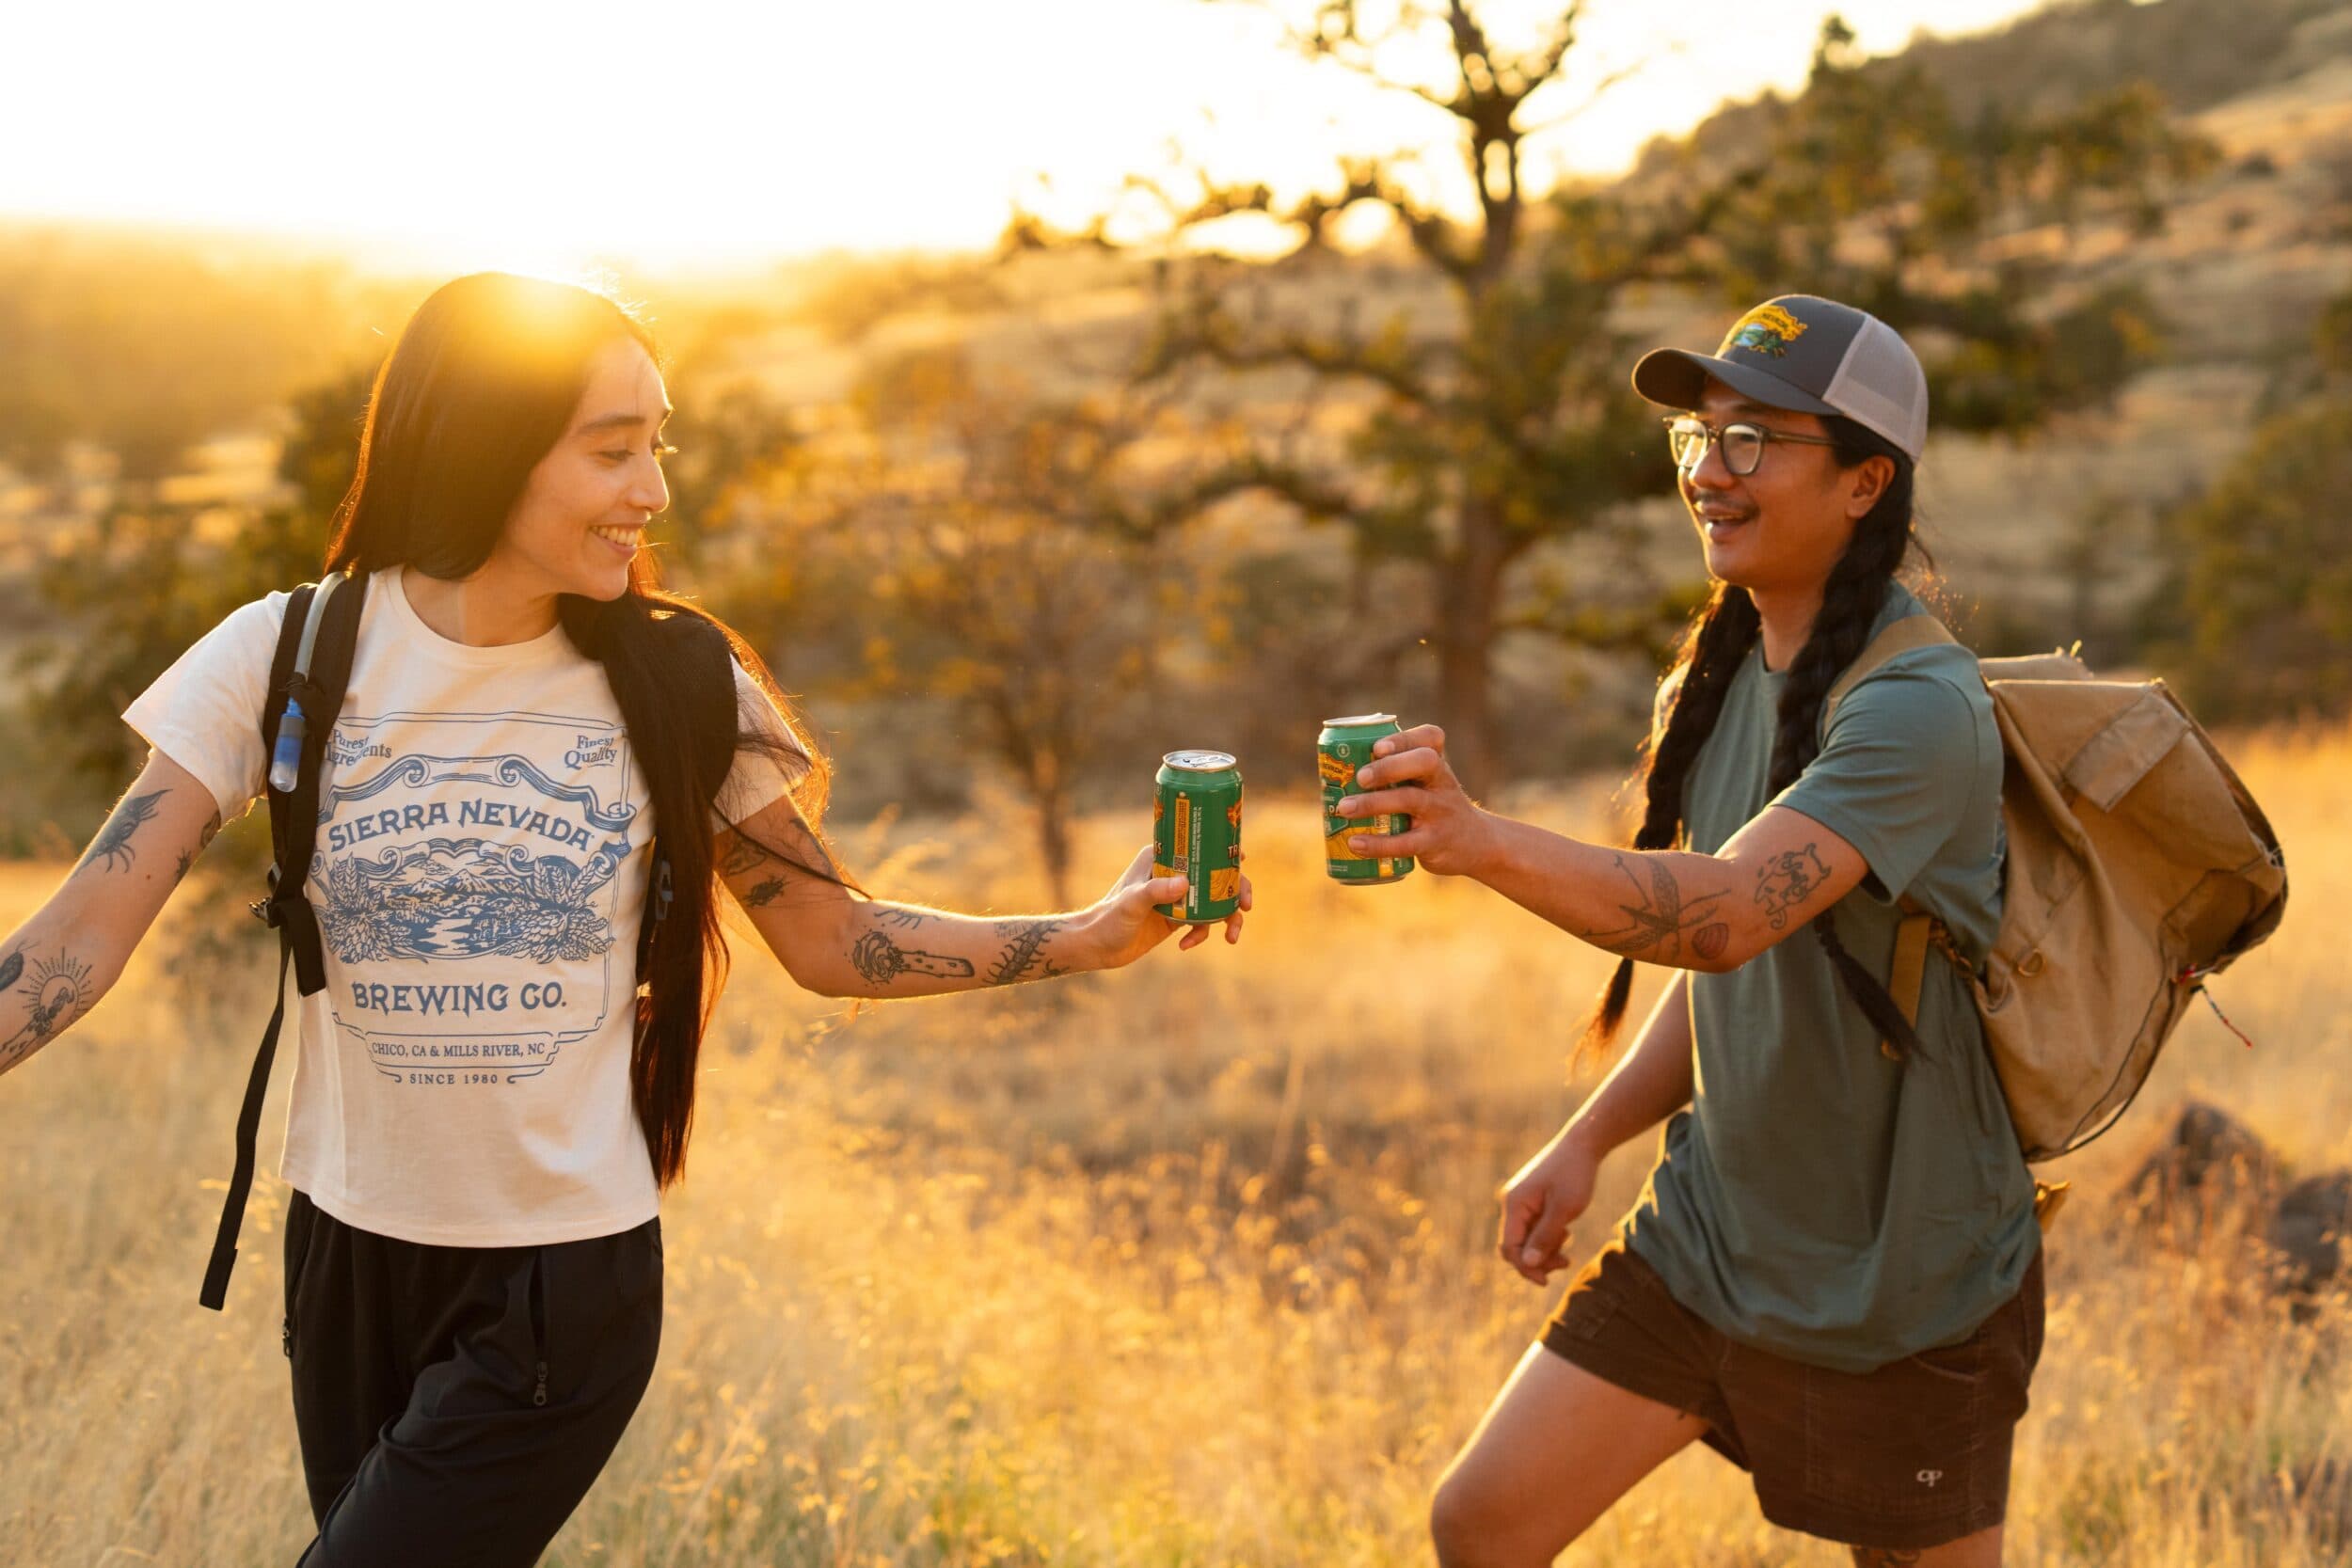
point(497, 1082)
point(1833, 1275)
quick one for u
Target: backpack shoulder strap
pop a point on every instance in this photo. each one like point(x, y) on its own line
point(1908, 976)
point(308, 676)
point(306, 697)
point(300, 627)
point(1915, 931)
point(1897, 637)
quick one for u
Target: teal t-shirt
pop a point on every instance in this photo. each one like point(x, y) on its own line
point(1817, 1199)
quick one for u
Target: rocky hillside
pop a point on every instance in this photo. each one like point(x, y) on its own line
point(2049, 539)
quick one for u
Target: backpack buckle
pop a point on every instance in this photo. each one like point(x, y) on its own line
point(265, 910)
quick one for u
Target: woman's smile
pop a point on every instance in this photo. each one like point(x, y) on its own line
point(624, 538)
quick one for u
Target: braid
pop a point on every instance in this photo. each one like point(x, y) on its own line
point(1713, 647)
point(1720, 637)
point(1851, 602)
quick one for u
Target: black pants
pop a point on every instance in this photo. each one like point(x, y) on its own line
point(454, 1403)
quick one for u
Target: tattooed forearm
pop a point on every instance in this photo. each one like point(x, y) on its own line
point(882, 961)
point(764, 893)
point(1022, 957)
point(1787, 881)
point(891, 914)
point(112, 841)
point(57, 992)
point(1660, 924)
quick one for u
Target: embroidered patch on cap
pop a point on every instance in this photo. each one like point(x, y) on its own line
point(1767, 329)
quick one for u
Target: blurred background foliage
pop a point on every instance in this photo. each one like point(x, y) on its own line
point(1013, 525)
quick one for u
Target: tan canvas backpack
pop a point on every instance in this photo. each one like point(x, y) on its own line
point(2138, 866)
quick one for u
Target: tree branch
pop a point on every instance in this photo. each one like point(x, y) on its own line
point(1212, 335)
point(1600, 91)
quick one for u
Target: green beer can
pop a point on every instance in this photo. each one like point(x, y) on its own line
point(1195, 834)
point(1345, 745)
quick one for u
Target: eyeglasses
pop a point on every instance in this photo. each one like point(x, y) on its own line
point(1744, 444)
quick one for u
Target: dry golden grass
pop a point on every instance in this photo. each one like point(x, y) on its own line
point(1187, 1266)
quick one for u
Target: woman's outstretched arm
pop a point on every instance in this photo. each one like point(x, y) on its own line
point(837, 942)
point(56, 965)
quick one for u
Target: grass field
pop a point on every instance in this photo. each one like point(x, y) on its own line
point(1184, 1265)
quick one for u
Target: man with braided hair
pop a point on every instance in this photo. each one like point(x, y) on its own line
point(1833, 1276)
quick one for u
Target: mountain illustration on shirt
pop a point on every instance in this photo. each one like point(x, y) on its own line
point(466, 899)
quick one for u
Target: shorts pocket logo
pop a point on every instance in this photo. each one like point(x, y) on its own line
point(1929, 1478)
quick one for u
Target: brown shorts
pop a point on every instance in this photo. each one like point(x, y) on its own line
point(1912, 1455)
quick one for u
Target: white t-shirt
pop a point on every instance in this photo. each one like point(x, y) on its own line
point(479, 878)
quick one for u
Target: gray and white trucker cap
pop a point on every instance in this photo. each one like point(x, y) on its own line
point(1808, 355)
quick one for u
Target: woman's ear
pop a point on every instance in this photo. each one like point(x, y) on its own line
point(1870, 478)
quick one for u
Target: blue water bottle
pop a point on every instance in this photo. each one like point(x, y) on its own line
point(285, 763)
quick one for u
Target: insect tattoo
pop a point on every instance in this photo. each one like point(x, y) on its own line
point(1660, 921)
point(1015, 962)
point(112, 841)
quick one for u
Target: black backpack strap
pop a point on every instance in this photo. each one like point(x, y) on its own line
point(712, 720)
point(310, 671)
point(306, 697)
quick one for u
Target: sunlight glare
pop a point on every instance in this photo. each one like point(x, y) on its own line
point(459, 134)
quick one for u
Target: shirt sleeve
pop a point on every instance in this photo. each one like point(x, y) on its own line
point(1894, 773)
point(759, 777)
point(205, 712)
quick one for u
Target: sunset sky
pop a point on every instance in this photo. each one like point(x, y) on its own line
point(700, 133)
